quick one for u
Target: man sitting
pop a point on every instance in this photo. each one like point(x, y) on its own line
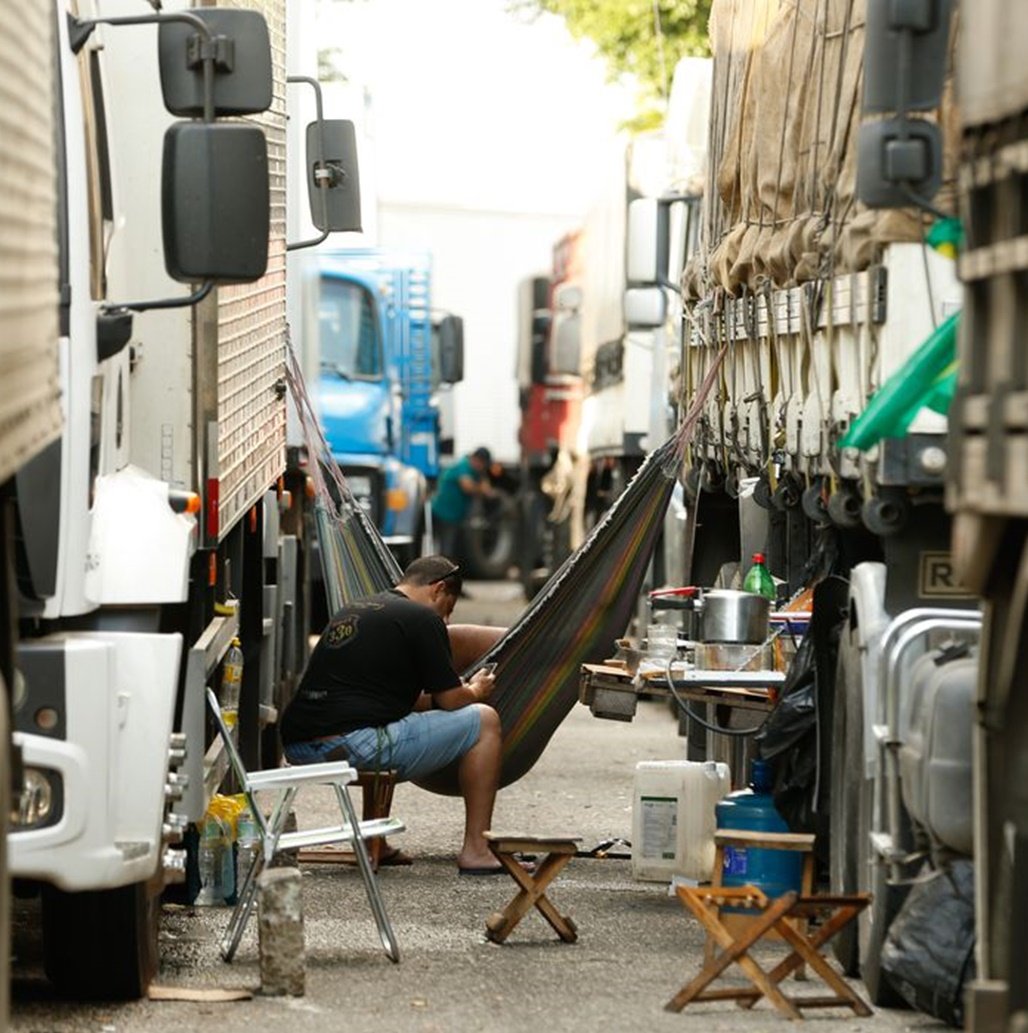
point(381, 687)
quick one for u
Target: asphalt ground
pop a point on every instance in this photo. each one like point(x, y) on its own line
point(636, 944)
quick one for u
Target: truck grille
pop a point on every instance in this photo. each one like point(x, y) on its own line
point(366, 484)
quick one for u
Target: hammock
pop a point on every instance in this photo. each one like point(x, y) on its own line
point(574, 619)
point(354, 559)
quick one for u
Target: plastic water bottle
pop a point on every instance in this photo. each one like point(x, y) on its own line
point(209, 861)
point(227, 858)
point(231, 680)
point(248, 842)
point(758, 579)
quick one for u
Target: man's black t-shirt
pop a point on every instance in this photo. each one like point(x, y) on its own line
point(374, 659)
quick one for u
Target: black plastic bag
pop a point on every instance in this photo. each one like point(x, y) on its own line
point(928, 953)
point(796, 736)
point(789, 740)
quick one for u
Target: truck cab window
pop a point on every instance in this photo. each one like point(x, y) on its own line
point(350, 341)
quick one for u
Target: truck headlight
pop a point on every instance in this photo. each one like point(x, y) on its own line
point(39, 803)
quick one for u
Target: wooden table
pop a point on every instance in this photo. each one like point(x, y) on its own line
point(610, 691)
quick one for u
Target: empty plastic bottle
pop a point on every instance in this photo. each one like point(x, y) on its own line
point(209, 862)
point(231, 680)
point(248, 842)
point(758, 579)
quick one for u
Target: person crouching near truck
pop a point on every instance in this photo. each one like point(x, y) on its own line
point(458, 485)
point(380, 690)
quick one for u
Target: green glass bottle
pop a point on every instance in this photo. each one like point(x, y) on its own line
point(758, 579)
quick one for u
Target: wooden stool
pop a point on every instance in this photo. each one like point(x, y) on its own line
point(780, 916)
point(376, 800)
point(559, 850)
point(793, 841)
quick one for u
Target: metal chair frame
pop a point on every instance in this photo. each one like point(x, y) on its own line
point(285, 783)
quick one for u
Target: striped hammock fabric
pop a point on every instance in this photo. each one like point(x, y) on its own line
point(355, 561)
point(575, 618)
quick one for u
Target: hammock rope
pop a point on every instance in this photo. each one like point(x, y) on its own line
point(574, 619)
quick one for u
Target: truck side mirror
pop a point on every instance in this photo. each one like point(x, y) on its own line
point(215, 202)
point(905, 45)
point(242, 63)
point(645, 308)
point(333, 181)
point(451, 349)
point(899, 159)
point(648, 241)
point(566, 328)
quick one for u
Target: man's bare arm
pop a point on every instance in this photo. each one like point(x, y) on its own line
point(476, 690)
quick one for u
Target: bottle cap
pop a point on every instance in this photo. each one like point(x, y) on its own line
point(758, 557)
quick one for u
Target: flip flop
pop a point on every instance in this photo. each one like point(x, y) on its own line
point(395, 858)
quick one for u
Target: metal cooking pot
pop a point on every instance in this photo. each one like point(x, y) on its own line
point(730, 616)
point(717, 614)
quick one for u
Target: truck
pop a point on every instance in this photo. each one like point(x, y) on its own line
point(606, 343)
point(382, 353)
point(156, 526)
point(827, 289)
point(30, 413)
point(549, 401)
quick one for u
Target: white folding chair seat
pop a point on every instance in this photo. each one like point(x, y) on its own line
point(284, 784)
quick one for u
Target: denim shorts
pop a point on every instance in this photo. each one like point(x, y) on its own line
point(414, 746)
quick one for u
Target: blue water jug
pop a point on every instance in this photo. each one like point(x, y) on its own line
point(753, 810)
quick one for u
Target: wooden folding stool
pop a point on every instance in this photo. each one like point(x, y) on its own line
point(781, 915)
point(559, 850)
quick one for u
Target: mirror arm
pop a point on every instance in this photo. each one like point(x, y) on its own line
point(79, 30)
point(144, 306)
point(324, 176)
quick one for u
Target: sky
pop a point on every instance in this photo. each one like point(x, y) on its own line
point(471, 107)
point(484, 140)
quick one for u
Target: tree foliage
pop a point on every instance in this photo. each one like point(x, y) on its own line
point(626, 34)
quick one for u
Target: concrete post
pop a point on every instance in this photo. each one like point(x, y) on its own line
point(281, 932)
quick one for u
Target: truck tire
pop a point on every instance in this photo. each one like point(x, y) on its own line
point(490, 538)
point(845, 793)
point(859, 947)
point(5, 883)
point(101, 944)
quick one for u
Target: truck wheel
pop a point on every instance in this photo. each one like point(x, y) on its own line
point(850, 859)
point(845, 791)
point(101, 943)
point(490, 538)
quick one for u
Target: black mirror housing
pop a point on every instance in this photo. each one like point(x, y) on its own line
point(897, 157)
point(334, 191)
point(905, 46)
point(215, 202)
point(243, 75)
point(451, 349)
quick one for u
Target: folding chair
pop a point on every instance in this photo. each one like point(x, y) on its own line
point(285, 783)
point(834, 912)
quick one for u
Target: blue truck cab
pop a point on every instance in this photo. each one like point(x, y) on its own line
point(380, 359)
